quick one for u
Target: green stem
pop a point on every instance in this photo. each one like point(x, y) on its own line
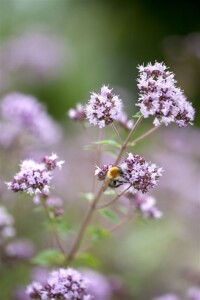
point(53, 227)
point(141, 137)
point(96, 199)
point(115, 199)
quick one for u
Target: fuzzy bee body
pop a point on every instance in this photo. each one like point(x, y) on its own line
point(114, 175)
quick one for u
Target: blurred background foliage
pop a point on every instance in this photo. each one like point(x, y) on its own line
point(105, 41)
point(89, 43)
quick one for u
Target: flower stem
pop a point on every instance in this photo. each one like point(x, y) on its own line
point(115, 199)
point(93, 204)
point(117, 133)
point(53, 227)
point(112, 229)
point(150, 131)
point(97, 159)
point(86, 222)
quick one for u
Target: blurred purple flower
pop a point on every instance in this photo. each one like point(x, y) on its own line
point(24, 112)
point(52, 163)
point(167, 297)
point(54, 202)
point(103, 108)
point(20, 294)
point(194, 293)
point(145, 204)
point(39, 274)
point(77, 114)
point(6, 225)
point(20, 249)
point(99, 286)
point(34, 55)
point(9, 133)
point(161, 98)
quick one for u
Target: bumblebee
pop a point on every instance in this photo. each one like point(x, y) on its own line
point(113, 176)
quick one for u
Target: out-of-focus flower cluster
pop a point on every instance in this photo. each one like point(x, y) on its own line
point(61, 284)
point(145, 204)
point(193, 293)
point(35, 178)
point(35, 56)
point(6, 225)
point(12, 249)
point(23, 115)
point(79, 114)
point(99, 286)
point(20, 249)
point(102, 109)
point(159, 96)
point(55, 205)
point(167, 297)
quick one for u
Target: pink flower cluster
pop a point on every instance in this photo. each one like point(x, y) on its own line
point(142, 175)
point(103, 108)
point(145, 204)
point(78, 113)
point(159, 96)
point(61, 284)
point(34, 177)
point(23, 113)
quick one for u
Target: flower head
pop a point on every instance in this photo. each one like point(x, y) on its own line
point(24, 112)
point(103, 108)
point(77, 114)
point(20, 249)
point(142, 175)
point(61, 284)
point(145, 204)
point(159, 96)
point(52, 163)
point(34, 177)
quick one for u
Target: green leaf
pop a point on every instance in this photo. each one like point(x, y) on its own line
point(49, 258)
point(137, 115)
point(109, 143)
point(64, 228)
point(89, 148)
point(88, 260)
point(109, 214)
point(98, 233)
point(87, 196)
